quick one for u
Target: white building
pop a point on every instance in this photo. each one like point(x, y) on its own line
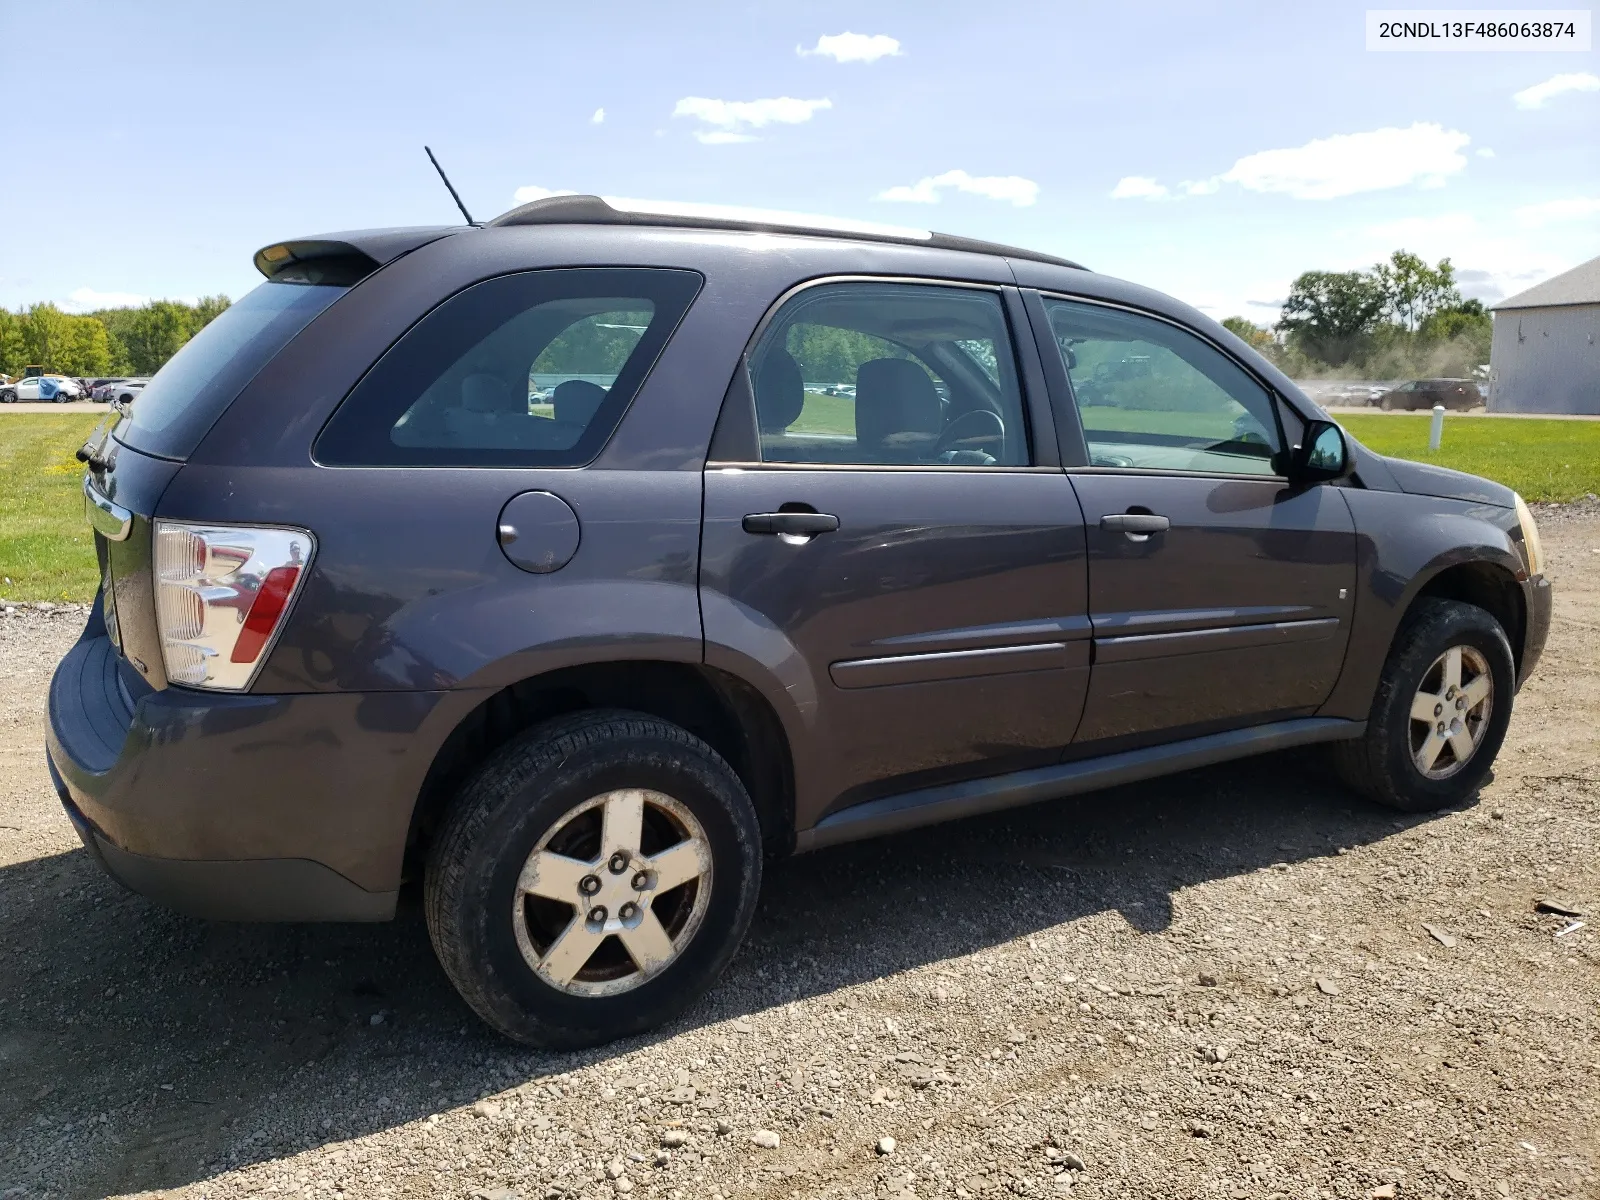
point(1546, 352)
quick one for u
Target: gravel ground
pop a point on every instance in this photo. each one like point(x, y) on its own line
point(1240, 982)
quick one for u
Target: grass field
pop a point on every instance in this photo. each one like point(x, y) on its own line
point(47, 552)
point(1544, 460)
point(46, 548)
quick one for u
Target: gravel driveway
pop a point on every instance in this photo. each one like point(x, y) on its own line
point(1240, 982)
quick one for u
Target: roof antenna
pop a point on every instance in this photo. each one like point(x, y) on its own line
point(453, 194)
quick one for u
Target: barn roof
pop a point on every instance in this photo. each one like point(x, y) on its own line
point(1581, 285)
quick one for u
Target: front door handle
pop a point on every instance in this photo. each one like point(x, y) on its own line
point(1137, 525)
point(792, 524)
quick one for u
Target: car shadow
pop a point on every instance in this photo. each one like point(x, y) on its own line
point(142, 1050)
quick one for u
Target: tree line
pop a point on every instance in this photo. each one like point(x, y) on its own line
point(111, 341)
point(1400, 318)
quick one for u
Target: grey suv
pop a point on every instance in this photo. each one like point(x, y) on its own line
point(548, 564)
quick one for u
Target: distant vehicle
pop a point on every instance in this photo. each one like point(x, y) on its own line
point(104, 388)
point(1425, 393)
point(48, 389)
point(127, 391)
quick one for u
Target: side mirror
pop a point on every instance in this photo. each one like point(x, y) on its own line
point(1323, 456)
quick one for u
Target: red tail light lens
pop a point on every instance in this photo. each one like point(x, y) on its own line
point(222, 593)
point(265, 610)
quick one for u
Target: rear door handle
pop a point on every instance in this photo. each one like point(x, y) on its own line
point(795, 524)
point(1138, 526)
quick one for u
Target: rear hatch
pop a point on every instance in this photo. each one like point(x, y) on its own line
point(143, 446)
point(136, 455)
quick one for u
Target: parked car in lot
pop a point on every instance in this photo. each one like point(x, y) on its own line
point(367, 619)
point(46, 389)
point(1425, 393)
point(128, 390)
point(101, 389)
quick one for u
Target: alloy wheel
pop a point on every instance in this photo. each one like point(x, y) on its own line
point(1450, 712)
point(613, 893)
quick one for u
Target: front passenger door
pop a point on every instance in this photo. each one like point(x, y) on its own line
point(1219, 592)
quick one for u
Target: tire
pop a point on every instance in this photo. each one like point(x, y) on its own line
point(8, 396)
point(490, 937)
point(1382, 763)
point(1386, 405)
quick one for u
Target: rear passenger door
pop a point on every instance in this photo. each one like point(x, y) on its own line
point(1220, 592)
point(888, 534)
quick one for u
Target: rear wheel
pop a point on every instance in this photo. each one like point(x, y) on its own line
point(1440, 712)
point(593, 880)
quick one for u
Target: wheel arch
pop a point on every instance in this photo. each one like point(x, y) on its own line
point(721, 709)
point(1486, 584)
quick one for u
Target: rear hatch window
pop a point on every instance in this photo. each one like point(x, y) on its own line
point(183, 399)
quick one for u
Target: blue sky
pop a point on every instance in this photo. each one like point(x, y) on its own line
point(1212, 151)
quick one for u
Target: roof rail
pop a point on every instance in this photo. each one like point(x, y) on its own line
point(614, 210)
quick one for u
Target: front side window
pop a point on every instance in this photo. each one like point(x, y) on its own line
point(1152, 396)
point(887, 374)
point(533, 369)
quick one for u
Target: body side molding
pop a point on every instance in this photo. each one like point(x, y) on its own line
point(949, 802)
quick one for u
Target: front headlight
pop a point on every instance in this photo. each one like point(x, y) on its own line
point(1532, 550)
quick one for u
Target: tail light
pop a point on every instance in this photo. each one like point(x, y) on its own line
point(222, 592)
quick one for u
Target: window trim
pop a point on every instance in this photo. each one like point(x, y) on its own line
point(1072, 422)
point(1035, 409)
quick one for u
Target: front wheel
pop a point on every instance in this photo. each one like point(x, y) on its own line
point(593, 880)
point(1440, 711)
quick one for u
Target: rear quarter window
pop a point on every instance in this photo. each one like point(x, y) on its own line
point(531, 369)
point(184, 398)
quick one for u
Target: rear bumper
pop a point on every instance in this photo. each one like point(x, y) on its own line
point(241, 807)
point(258, 889)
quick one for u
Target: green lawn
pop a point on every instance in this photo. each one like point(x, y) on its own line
point(826, 414)
point(47, 551)
point(1544, 460)
point(46, 548)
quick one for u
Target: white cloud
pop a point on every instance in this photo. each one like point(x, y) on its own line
point(599, 117)
point(1013, 188)
point(853, 47)
point(88, 300)
point(1573, 208)
point(1199, 187)
point(1541, 93)
point(1138, 187)
point(1346, 163)
point(730, 119)
point(1484, 152)
point(1423, 229)
point(524, 195)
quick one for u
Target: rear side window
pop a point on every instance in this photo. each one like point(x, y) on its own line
point(533, 369)
point(184, 398)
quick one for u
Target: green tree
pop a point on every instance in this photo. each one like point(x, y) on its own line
point(11, 357)
point(85, 348)
point(155, 333)
point(44, 335)
point(1413, 291)
point(1248, 332)
point(206, 310)
point(1329, 313)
